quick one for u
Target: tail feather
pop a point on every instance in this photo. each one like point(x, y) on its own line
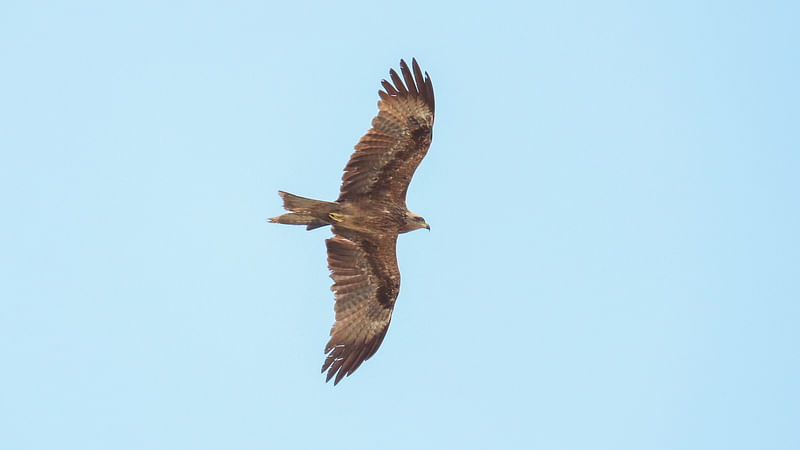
point(304, 211)
point(296, 203)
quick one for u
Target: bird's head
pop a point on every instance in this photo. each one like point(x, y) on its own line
point(415, 222)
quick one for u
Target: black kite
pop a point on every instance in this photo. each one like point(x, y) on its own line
point(367, 217)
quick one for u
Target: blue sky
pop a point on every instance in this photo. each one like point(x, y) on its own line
point(614, 259)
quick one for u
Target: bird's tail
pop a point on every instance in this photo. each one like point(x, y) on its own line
point(304, 211)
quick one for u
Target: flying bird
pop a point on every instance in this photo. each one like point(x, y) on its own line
point(368, 216)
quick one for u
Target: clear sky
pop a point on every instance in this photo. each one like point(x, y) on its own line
point(614, 260)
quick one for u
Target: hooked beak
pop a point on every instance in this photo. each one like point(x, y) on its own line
point(427, 227)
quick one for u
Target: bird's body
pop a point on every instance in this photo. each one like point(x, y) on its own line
point(367, 217)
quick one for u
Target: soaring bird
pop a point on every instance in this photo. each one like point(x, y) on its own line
point(368, 216)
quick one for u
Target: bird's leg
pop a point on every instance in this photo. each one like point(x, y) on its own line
point(336, 217)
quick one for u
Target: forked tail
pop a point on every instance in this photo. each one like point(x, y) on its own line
point(304, 211)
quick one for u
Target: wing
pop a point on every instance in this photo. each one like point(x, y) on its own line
point(365, 284)
point(387, 156)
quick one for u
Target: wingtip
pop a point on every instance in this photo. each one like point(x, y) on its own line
point(339, 377)
point(330, 375)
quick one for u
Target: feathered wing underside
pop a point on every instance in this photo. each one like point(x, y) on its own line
point(366, 282)
point(387, 156)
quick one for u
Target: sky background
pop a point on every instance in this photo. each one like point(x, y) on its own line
point(614, 260)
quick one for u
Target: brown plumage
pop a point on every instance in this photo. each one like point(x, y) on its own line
point(367, 217)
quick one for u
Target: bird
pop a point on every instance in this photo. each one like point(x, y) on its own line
point(367, 217)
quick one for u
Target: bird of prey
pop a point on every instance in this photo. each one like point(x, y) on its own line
point(367, 217)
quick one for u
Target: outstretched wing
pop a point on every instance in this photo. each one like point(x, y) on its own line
point(365, 284)
point(387, 156)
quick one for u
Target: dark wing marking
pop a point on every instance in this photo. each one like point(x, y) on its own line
point(387, 156)
point(365, 284)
